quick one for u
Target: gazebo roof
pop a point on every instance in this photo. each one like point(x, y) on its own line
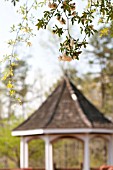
point(66, 108)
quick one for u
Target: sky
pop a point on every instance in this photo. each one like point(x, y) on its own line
point(44, 53)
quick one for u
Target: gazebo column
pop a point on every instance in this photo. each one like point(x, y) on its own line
point(48, 154)
point(86, 164)
point(110, 151)
point(23, 153)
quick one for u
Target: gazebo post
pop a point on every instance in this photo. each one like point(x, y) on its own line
point(23, 153)
point(51, 156)
point(48, 154)
point(110, 151)
point(86, 165)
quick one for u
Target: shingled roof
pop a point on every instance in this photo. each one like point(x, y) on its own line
point(66, 108)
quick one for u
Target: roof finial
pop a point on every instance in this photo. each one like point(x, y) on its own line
point(73, 95)
point(65, 72)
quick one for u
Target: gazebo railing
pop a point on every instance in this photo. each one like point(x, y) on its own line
point(104, 167)
point(55, 169)
point(44, 169)
point(67, 169)
point(75, 169)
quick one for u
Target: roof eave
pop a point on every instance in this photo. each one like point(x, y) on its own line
point(27, 132)
point(61, 131)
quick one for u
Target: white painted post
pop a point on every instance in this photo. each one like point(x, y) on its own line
point(48, 154)
point(110, 151)
point(23, 153)
point(26, 155)
point(51, 156)
point(86, 165)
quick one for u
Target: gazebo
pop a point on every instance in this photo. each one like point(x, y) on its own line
point(65, 113)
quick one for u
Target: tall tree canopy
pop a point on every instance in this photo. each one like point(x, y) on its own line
point(101, 57)
point(65, 14)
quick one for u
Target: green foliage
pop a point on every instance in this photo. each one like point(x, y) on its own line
point(23, 34)
point(37, 153)
point(65, 14)
point(101, 55)
point(19, 73)
point(9, 146)
point(68, 153)
point(98, 152)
